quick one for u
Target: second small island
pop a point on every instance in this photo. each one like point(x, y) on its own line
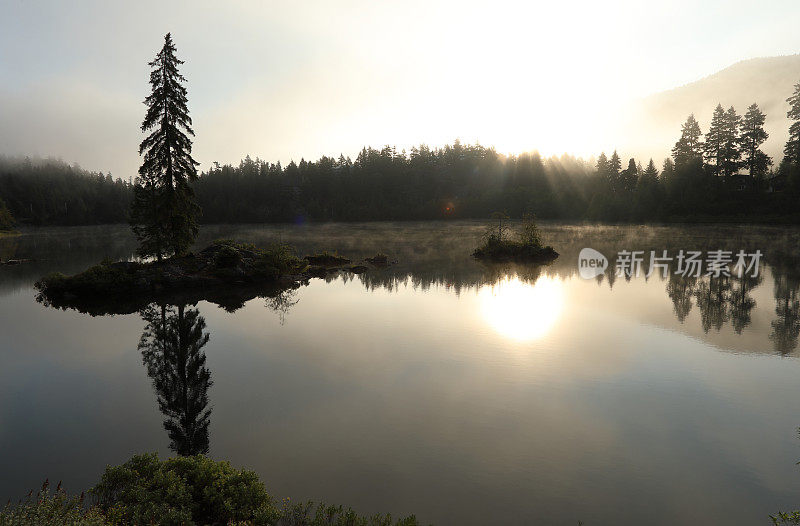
point(526, 247)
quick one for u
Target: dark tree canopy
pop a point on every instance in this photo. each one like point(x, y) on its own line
point(51, 192)
point(752, 137)
point(731, 154)
point(715, 141)
point(164, 213)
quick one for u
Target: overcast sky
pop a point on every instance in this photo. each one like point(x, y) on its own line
point(285, 80)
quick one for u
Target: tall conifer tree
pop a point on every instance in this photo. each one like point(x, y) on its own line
point(164, 213)
point(731, 152)
point(650, 174)
point(689, 146)
point(715, 140)
point(792, 149)
point(614, 168)
point(753, 135)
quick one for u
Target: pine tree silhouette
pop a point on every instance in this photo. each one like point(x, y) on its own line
point(164, 212)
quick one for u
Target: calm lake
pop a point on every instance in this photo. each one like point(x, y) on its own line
point(460, 392)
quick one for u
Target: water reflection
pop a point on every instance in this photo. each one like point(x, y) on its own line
point(172, 351)
point(624, 401)
point(741, 302)
point(786, 327)
point(520, 310)
point(437, 255)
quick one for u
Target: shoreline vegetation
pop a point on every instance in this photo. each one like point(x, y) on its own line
point(227, 273)
point(180, 490)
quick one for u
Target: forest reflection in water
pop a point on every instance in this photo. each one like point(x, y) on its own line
point(437, 255)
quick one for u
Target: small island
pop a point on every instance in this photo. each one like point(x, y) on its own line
point(227, 273)
point(526, 248)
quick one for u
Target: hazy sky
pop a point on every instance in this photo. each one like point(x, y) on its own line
point(285, 80)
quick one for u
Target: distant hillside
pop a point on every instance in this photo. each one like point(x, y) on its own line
point(655, 123)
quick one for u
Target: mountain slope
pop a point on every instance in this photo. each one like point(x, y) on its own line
point(655, 123)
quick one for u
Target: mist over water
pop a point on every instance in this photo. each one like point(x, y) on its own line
point(439, 386)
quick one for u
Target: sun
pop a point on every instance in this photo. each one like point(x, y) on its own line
point(521, 311)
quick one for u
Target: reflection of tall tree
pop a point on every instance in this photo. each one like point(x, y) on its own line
point(171, 347)
point(712, 300)
point(680, 290)
point(740, 301)
point(786, 327)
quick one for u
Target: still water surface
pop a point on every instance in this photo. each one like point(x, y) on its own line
point(463, 393)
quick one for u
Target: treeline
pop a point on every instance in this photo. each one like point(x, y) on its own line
point(51, 192)
point(454, 181)
point(720, 175)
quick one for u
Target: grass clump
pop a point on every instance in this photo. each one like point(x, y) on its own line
point(51, 509)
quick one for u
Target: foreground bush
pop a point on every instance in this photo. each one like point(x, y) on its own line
point(181, 491)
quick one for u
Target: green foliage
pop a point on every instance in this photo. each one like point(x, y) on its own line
point(281, 257)
point(786, 518)
point(51, 509)
point(164, 213)
point(182, 490)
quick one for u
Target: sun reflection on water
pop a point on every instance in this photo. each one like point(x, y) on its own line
point(522, 311)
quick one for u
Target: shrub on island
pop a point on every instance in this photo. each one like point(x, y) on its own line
point(527, 247)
